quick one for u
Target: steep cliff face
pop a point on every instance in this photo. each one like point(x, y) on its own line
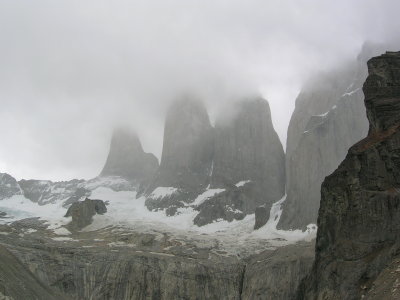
point(118, 263)
point(127, 158)
point(247, 148)
point(276, 275)
point(8, 186)
point(223, 172)
point(187, 147)
point(186, 156)
point(17, 282)
point(328, 119)
point(359, 217)
point(248, 163)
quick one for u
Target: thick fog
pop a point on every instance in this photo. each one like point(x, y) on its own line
point(72, 70)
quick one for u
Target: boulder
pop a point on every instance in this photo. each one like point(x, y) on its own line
point(82, 212)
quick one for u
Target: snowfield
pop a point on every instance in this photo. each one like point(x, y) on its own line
point(124, 210)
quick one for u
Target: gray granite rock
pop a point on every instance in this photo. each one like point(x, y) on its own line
point(359, 218)
point(242, 156)
point(247, 148)
point(276, 275)
point(82, 212)
point(261, 216)
point(118, 263)
point(249, 163)
point(17, 282)
point(8, 186)
point(127, 158)
point(46, 191)
point(328, 119)
point(186, 156)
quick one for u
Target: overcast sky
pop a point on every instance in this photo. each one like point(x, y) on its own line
point(71, 70)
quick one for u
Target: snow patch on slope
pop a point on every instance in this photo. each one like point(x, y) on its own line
point(127, 211)
point(242, 183)
point(162, 192)
point(206, 195)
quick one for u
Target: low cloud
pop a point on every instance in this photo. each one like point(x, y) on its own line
point(72, 70)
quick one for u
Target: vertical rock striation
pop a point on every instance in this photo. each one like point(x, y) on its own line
point(249, 163)
point(328, 119)
point(359, 217)
point(186, 157)
point(223, 172)
point(247, 148)
point(127, 158)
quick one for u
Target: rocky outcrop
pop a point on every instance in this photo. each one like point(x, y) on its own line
point(276, 275)
point(248, 163)
point(186, 156)
point(17, 282)
point(46, 191)
point(247, 148)
point(127, 159)
point(261, 216)
point(8, 186)
point(120, 263)
point(386, 285)
point(359, 217)
point(82, 212)
point(328, 119)
point(67, 192)
point(113, 264)
point(241, 158)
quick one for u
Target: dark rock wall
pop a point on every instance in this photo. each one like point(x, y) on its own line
point(359, 217)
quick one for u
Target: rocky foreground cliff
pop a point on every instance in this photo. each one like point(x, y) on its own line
point(121, 264)
point(359, 219)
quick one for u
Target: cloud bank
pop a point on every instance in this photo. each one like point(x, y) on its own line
point(72, 70)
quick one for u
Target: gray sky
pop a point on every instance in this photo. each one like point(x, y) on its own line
point(71, 70)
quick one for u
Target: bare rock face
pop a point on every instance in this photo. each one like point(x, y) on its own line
point(17, 282)
point(186, 156)
point(249, 163)
point(359, 217)
point(8, 186)
point(277, 275)
point(117, 263)
point(247, 148)
point(46, 191)
point(82, 212)
point(241, 159)
point(127, 158)
point(328, 119)
point(261, 216)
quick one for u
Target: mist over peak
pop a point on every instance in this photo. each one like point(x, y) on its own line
point(72, 71)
